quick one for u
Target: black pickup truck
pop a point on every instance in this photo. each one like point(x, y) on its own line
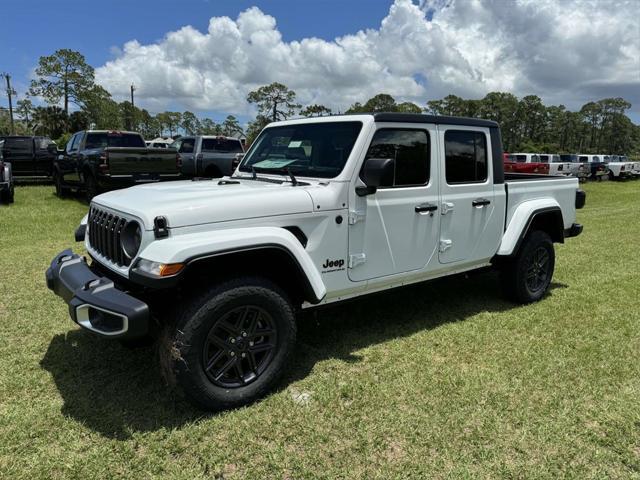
point(6, 179)
point(95, 161)
point(31, 157)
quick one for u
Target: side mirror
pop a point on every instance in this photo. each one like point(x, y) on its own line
point(52, 148)
point(376, 172)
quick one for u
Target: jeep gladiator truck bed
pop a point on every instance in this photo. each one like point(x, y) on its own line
point(319, 210)
point(98, 160)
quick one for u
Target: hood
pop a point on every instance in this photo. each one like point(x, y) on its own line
point(185, 203)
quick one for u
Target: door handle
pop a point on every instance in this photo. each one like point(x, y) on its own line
point(480, 202)
point(426, 207)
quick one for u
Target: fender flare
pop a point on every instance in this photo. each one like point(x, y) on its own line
point(521, 221)
point(194, 247)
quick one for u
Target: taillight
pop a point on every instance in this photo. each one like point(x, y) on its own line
point(104, 162)
point(178, 161)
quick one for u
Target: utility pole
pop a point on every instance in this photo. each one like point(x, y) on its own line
point(9, 93)
point(133, 88)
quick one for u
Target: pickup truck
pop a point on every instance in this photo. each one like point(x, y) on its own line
point(6, 179)
point(319, 211)
point(597, 165)
point(209, 155)
point(525, 163)
point(556, 166)
point(31, 157)
point(99, 160)
point(579, 168)
point(620, 167)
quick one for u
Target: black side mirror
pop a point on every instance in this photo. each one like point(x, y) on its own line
point(376, 172)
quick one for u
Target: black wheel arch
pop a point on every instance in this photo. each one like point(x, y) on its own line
point(271, 261)
point(549, 220)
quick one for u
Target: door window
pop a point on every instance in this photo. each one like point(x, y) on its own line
point(411, 151)
point(187, 145)
point(465, 156)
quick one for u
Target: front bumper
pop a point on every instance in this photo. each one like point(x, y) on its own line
point(95, 303)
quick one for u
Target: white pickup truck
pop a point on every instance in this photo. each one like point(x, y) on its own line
point(320, 210)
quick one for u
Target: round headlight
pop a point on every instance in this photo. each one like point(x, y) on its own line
point(130, 238)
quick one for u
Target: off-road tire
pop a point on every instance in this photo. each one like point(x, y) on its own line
point(517, 274)
point(91, 187)
point(7, 196)
point(197, 322)
point(61, 191)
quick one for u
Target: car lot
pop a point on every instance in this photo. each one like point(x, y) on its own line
point(412, 383)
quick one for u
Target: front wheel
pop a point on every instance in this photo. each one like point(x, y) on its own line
point(91, 187)
point(526, 277)
point(61, 191)
point(234, 343)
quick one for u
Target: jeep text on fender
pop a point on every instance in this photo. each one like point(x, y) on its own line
point(318, 211)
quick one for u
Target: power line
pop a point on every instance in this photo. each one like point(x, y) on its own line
point(9, 93)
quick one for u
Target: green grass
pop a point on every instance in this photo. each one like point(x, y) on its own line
point(443, 380)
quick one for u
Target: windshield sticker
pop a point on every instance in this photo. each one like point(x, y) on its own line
point(295, 144)
point(273, 163)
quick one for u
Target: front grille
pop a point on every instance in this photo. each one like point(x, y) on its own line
point(104, 235)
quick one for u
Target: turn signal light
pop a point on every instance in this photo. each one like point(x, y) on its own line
point(166, 270)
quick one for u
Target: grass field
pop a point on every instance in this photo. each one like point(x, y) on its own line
point(443, 380)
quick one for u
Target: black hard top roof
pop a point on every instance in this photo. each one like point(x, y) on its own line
point(437, 119)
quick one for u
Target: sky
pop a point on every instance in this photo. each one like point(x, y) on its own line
point(206, 55)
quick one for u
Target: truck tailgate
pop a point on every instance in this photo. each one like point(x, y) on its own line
point(133, 161)
point(523, 187)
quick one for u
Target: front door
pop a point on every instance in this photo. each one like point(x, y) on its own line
point(395, 230)
point(470, 226)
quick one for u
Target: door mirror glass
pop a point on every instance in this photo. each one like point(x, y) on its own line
point(376, 172)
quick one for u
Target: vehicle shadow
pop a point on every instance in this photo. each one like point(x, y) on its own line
point(117, 392)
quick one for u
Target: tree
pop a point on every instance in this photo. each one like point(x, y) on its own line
point(65, 76)
point(78, 120)
point(129, 115)
point(190, 123)
point(169, 121)
point(255, 127)
point(381, 102)
point(275, 101)
point(51, 121)
point(231, 126)
point(101, 109)
point(209, 127)
point(409, 107)
point(24, 110)
point(315, 110)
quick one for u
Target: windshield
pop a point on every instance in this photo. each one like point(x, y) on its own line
point(113, 139)
point(569, 158)
point(308, 149)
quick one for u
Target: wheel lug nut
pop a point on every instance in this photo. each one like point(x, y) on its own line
point(244, 354)
point(233, 354)
point(244, 334)
point(233, 340)
point(251, 344)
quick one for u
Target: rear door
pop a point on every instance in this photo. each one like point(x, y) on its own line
point(470, 225)
point(45, 151)
point(68, 165)
point(186, 147)
point(217, 156)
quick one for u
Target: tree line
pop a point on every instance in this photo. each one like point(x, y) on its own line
point(64, 79)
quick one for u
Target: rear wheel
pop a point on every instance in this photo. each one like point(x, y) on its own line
point(234, 343)
point(7, 195)
point(526, 277)
point(611, 176)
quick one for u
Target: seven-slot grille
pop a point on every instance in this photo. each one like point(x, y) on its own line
point(104, 235)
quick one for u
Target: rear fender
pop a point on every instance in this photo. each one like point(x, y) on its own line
point(195, 247)
point(522, 219)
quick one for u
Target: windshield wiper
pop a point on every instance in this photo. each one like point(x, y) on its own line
point(293, 179)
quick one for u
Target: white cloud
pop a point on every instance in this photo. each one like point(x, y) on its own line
point(567, 52)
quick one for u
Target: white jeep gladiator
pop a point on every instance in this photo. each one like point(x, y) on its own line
point(320, 210)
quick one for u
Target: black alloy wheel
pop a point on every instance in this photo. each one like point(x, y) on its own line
point(239, 347)
point(538, 270)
